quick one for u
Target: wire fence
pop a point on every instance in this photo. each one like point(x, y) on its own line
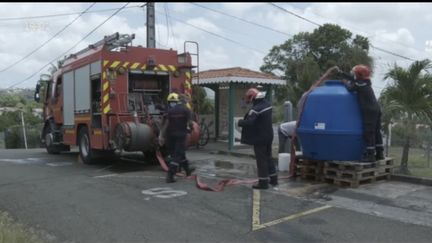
point(13, 137)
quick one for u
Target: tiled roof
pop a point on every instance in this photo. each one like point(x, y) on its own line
point(237, 75)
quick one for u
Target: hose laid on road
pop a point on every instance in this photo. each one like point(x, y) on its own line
point(203, 186)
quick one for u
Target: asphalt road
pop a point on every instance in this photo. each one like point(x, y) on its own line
point(126, 201)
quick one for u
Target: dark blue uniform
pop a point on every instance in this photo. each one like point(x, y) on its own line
point(371, 113)
point(178, 118)
point(257, 130)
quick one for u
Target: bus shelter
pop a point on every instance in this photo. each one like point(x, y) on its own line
point(230, 85)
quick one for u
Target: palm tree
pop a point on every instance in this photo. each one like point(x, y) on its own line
point(409, 98)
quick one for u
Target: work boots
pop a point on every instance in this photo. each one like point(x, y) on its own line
point(274, 180)
point(262, 184)
point(379, 153)
point(368, 156)
point(185, 165)
point(170, 174)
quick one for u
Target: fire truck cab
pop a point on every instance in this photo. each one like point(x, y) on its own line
point(111, 96)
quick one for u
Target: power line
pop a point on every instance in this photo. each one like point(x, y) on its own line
point(217, 35)
point(374, 36)
point(292, 13)
point(172, 29)
point(244, 20)
point(46, 42)
point(63, 14)
point(76, 44)
point(391, 53)
point(248, 35)
point(310, 21)
point(167, 23)
point(380, 49)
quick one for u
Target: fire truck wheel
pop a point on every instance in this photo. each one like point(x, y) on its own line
point(86, 153)
point(49, 140)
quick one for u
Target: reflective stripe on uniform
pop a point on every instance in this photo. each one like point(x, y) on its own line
point(259, 112)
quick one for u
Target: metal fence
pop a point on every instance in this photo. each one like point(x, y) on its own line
point(13, 137)
point(2, 143)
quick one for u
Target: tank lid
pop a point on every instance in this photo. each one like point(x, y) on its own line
point(333, 82)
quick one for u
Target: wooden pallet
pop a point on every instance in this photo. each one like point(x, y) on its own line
point(356, 174)
point(310, 162)
point(345, 182)
point(310, 175)
point(353, 174)
point(310, 169)
point(359, 166)
point(344, 173)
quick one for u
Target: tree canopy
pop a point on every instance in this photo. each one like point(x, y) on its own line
point(303, 58)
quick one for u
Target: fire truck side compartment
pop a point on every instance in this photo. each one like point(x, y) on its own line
point(68, 99)
point(82, 89)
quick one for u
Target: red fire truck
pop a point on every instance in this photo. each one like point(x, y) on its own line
point(110, 96)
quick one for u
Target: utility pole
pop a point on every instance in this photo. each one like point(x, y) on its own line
point(151, 37)
point(24, 130)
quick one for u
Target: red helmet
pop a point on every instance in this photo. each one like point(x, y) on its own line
point(250, 95)
point(361, 72)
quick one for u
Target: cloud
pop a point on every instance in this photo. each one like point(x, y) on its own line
point(215, 58)
point(179, 7)
point(21, 39)
point(401, 28)
point(375, 15)
point(428, 46)
point(240, 9)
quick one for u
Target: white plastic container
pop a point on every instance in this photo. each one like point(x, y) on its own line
point(284, 160)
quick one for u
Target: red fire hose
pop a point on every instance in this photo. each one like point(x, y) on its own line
point(203, 186)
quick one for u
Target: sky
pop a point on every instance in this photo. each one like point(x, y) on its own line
point(224, 41)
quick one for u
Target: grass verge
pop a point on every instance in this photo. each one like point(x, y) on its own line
point(12, 232)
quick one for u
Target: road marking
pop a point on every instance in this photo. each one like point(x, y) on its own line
point(104, 168)
point(103, 176)
point(256, 223)
point(256, 210)
point(128, 176)
point(59, 164)
point(163, 192)
point(22, 161)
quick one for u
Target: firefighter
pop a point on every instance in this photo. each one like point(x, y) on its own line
point(175, 129)
point(185, 100)
point(359, 81)
point(286, 131)
point(257, 130)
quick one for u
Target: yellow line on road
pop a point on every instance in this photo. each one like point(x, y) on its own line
point(294, 216)
point(256, 223)
point(256, 209)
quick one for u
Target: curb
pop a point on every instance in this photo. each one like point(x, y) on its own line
point(415, 180)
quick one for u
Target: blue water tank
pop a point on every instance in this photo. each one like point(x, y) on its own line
point(330, 127)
